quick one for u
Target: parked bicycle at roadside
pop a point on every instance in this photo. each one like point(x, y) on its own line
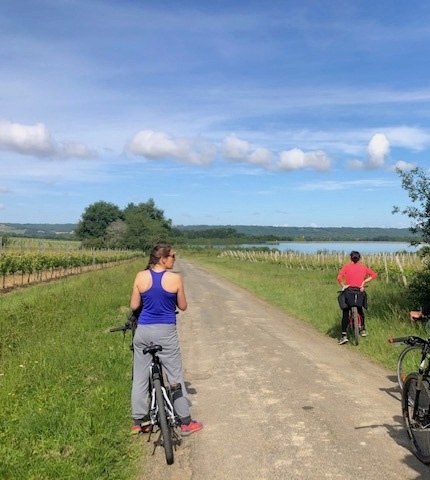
point(410, 357)
point(416, 396)
point(162, 416)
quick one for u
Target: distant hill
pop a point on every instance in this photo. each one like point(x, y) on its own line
point(316, 233)
point(323, 234)
point(36, 230)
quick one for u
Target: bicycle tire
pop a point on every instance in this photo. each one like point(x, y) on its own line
point(408, 362)
point(354, 313)
point(418, 428)
point(164, 426)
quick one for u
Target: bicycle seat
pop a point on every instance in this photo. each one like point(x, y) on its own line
point(152, 349)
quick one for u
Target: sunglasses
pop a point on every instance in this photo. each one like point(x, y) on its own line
point(173, 256)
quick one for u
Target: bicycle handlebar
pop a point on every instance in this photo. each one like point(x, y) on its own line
point(123, 328)
point(410, 340)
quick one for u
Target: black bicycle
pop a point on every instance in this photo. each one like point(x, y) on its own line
point(416, 399)
point(162, 415)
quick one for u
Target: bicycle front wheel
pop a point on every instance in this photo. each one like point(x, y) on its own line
point(408, 362)
point(416, 414)
point(164, 426)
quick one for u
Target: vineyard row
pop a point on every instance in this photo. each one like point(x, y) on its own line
point(33, 266)
point(390, 267)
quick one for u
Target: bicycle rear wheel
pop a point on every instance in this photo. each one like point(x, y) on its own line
point(356, 326)
point(408, 362)
point(164, 426)
point(417, 425)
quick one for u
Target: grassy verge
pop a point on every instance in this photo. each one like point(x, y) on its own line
point(312, 297)
point(65, 380)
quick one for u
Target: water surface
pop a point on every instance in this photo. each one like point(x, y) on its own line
point(338, 247)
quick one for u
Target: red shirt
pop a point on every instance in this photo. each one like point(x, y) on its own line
point(355, 273)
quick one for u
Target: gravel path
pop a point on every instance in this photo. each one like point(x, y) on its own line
point(278, 399)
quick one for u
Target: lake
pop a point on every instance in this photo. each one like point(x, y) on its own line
point(335, 247)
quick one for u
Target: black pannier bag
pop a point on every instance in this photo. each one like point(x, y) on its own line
point(352, 297)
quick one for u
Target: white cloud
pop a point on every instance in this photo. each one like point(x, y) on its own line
point(318, 161)
point(26, 139)
point(409, 137)
point(296, 159)
point(354, 164)
point(35, 140)
point(261, 156)
point(291, 160)
point(76, 150)
point(154, 145)
point(234, 148)
point(365, 184)
point(378, 149)
point(402, 165)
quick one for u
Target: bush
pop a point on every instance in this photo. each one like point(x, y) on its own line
point(419, 288)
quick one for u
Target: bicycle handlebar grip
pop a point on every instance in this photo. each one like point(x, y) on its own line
point(398, 340)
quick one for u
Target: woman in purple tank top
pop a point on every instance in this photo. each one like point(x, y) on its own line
point(159, 292)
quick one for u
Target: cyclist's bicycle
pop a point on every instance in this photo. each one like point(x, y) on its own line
point(162, 416)
point(416, 399)
point(355, 319)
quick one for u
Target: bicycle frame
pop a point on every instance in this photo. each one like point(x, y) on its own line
point(156, 372)
point(161, 411)
point(423, 371)
point(351, 319)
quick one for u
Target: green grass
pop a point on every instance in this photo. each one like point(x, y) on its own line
point(312, 297)
point(65, 380)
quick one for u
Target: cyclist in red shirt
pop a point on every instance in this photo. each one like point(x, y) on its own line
point(353, 275)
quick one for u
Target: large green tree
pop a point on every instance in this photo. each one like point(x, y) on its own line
point(95, 221)
point(138, 227)
point(417, 184)
point(147, 225)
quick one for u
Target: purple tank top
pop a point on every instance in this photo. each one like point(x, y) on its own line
point(159, 306)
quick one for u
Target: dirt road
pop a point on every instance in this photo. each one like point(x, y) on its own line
point(278, 399)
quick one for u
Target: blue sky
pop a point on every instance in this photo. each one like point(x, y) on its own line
point(289, 113)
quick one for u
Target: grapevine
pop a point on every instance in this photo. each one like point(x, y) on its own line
point(396, 267)
point(49, 264)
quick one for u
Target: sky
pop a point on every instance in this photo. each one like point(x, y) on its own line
point(280, 113)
